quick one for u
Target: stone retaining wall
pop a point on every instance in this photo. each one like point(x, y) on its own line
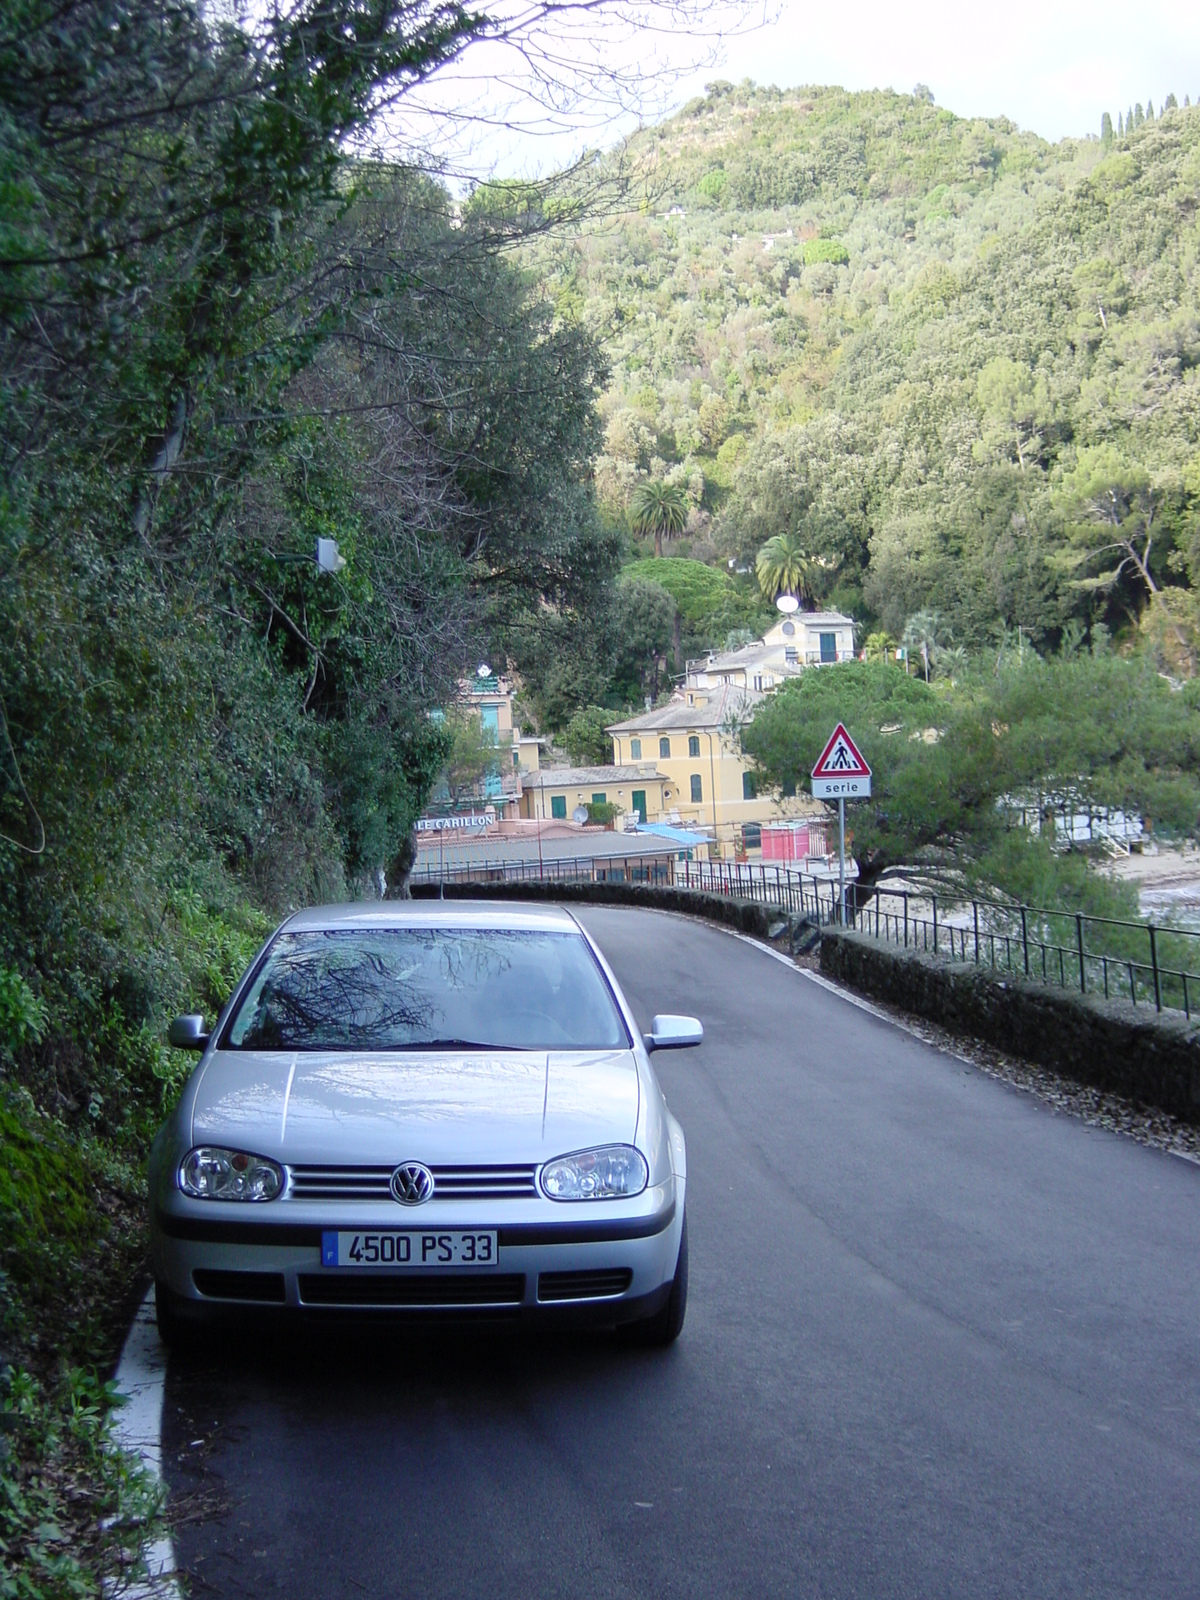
point(1148, 1056)
point(747, 916)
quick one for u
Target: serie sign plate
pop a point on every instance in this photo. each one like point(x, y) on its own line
point(451, 1247)
point(841, 788)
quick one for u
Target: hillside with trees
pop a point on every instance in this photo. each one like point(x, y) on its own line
point(957, 363)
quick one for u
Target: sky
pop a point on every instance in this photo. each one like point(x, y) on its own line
point(1053, 66)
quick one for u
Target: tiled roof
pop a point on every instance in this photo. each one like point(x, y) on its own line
point(584, 777)
point(722, 704)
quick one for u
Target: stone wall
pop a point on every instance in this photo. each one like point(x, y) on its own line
point(747, 916)
point(1148, 1056)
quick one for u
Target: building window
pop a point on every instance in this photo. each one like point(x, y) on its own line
point(600, 799)
point(635, 749)
point(638, 801)
point(664, 747)
point(697, 790)
point(758, 681)
point(749, 787)
point(752, 836)
point(829, 647)
point(791, 654)
point(788, 630)
point(558, 806)
point(694, 746)
point(516, 757)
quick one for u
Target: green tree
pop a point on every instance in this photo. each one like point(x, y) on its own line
point(584, 738)
point(643, 621)
point(660, 509)
point(784, 567)
point(960, 777)
point(1112, 504)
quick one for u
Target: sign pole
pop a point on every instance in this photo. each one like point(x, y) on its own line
point(841, 773)
point(842, 859)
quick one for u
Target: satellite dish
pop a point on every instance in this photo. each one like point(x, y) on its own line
point(787, 603)
point(483, 670)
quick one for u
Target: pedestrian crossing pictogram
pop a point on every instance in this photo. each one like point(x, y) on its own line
point(841, 758)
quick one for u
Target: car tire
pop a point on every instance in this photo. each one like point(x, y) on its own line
point(665, 1326)
point(180, 1336)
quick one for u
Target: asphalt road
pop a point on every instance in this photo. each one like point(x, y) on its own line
point(940, 1342)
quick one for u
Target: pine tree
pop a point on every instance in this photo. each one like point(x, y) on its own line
point(1139, 116)
point(1106, 129)
point(1149, 110)
point(1170, 103)
point(1129, 122)
point(1120, 126)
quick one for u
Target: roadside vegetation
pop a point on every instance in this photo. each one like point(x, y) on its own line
point(224, 336)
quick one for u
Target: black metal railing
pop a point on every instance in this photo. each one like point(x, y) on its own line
point(1144, 962)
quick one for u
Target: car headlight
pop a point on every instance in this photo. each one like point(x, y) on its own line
point(210, 1173)
point(614, 1172)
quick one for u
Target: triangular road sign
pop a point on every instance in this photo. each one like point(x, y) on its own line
point(841, 758)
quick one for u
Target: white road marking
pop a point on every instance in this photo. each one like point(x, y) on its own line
point(137, 1427)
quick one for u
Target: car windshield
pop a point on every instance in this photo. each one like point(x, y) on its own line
point(428, 988)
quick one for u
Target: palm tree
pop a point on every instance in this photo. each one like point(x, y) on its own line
point(659, 508)
point(783, 567)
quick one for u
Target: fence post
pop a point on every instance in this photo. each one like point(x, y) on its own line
point(1025, 939)
point(933, 897)
point(1079, 942)
point(904, 892)
point(975, 909)
point(1154, 964)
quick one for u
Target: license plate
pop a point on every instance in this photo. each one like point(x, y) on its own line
point(450, 1248)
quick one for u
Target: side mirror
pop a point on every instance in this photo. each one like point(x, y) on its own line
point(188, 1033)
point(673, 1033)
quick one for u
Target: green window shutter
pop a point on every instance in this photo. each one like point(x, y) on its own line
point(697, 788)
point(749, 787)
point(639, 803)
point(635, 749)
point(664, 747)
point(599, 799)
point(693, 746)
point(558, 806)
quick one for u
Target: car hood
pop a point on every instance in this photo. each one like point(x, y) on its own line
point(487, 1106)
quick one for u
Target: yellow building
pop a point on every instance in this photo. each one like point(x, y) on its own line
point(558, 792)
point(693, 743)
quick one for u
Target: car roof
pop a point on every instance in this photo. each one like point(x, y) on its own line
point(491, 914)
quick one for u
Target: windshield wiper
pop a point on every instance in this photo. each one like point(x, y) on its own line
point(458, 1044)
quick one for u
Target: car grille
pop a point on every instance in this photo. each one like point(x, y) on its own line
point(221, 1285)
point(412, 1289)
point(449, 1183)
point(599, 1284)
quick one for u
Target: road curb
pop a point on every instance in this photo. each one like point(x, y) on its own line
point(137, 1428)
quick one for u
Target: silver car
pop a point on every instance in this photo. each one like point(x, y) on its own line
point(424, 1109)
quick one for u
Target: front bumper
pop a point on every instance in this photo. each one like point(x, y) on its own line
point(597, 1263)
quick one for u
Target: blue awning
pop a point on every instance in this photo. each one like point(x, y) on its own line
point(679, 836)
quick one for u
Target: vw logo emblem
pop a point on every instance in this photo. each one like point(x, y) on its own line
point(412, 1184)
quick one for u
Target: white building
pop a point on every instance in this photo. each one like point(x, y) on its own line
point(803, 639)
